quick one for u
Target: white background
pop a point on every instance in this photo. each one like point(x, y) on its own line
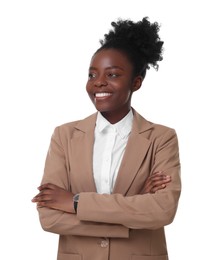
point(45, 49)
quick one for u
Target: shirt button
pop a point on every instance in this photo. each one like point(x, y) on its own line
point(104, 243)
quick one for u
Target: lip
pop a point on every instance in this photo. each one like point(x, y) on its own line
point(102, 95)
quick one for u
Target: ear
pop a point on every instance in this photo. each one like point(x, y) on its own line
point(137, 83)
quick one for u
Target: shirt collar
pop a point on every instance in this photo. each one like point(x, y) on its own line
point(123, 127)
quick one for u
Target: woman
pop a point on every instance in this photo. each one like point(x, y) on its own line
point(111, 181)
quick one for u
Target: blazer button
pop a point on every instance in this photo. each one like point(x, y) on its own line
point(104, 243)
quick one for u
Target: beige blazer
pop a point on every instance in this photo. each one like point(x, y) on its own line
point(124, 225)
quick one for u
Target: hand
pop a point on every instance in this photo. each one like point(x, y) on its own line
point(52, 196)
point(155, 182)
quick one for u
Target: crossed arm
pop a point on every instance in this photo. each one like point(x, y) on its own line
point(54, 197)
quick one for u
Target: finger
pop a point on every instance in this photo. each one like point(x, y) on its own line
point(153, 181)
point(159, 177)
point(155, 185)
point(42, 198)
point(44, 192)
point(151, 186)
point(36, 199)
point(160, 182)
point(156, 188)
point(48, 204)
point(159, 172)
point(47, 186)
point(148, 187)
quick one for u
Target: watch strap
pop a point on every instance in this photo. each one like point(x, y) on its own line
point(76, 200)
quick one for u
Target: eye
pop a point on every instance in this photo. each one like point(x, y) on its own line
point(113, 75)
point(92, 75)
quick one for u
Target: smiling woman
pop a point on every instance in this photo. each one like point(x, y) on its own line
point(113, 174)
point(110, 85)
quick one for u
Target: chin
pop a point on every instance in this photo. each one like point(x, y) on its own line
point(103, 109)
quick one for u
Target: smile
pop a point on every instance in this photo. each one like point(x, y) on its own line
point(98, 95)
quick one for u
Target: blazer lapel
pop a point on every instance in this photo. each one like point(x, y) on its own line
point(82, 150)
point(135, 152)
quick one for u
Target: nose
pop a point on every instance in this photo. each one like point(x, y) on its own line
point(100, 82)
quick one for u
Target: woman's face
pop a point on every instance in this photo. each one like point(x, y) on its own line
point(111, 84)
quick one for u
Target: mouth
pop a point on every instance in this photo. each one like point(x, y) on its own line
point(102, 95)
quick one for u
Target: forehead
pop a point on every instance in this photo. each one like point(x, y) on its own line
point(110, 58)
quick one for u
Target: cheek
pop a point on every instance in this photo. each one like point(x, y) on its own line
point(89, 92)
point(126, 94)
point(88, 88)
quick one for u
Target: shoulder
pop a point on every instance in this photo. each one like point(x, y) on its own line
point(154, 133)
point(144, 125)
point(70, 128)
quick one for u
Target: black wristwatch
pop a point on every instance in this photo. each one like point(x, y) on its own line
point(76, 200)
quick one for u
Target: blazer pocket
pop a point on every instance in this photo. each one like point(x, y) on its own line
point(149, 257)
point(69, 257)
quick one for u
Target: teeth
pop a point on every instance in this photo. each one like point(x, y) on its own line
point(102, 94)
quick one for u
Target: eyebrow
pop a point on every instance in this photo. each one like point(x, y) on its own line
point(108, 68)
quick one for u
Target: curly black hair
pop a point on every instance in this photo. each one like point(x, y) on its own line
point(140, 41)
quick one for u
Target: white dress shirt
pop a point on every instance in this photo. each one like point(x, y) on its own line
point(108, 150)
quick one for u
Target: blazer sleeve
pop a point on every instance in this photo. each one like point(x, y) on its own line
point(146, 211)
point(57, 172)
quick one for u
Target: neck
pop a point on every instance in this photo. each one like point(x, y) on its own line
point(113, 118)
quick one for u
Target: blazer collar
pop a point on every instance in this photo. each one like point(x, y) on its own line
point(140, 124)
point(88, 124)
point(135, 152)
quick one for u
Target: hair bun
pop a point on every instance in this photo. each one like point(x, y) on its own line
point(140, 37)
